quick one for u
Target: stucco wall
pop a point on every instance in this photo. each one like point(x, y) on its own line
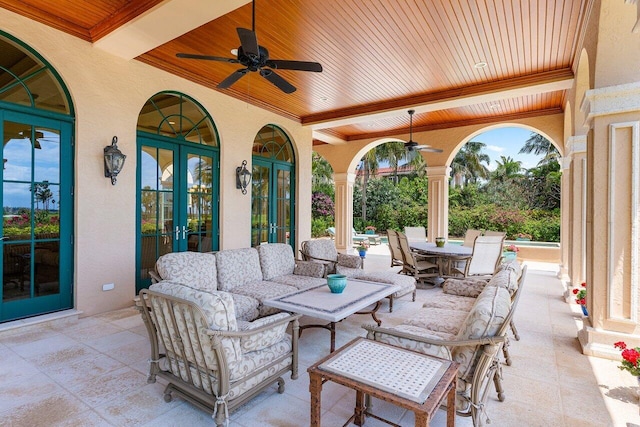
point(108, 93)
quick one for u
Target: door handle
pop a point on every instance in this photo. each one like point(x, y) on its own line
point(3, 238)
point(184, 232)
point(177, 232)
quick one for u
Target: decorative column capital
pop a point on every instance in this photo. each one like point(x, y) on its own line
point(348, 177)
point(617, 99)
point(575, 144)
point(435, 171)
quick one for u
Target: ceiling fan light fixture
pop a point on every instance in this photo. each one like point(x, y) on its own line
point(480, 64)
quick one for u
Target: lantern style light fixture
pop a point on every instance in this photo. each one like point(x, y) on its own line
point(113, 160)
point(243, 177)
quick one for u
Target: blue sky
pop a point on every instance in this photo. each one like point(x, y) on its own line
point(507, 142)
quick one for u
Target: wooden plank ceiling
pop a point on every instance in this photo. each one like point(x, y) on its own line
point(379, 57)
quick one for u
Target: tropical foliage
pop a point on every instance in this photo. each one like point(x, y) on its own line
point(510, 198)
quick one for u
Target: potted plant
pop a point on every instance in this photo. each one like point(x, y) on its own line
point(630, 359)
point(523, 237)
point(369, 229)
point(362, 249)
point(510, 252)
point(581, 297)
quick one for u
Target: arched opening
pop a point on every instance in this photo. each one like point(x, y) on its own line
point(177, 181)
point(36, 123)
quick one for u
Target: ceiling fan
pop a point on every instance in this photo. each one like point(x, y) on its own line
point(411, 145)
point(256, 58)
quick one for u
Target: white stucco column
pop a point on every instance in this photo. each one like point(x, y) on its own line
point(438, 211)
point(344, 209)
point(613, 219)
point(576, 206)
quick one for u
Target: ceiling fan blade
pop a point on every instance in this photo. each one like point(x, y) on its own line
point(294, 65)
point(232, 78)
point(206, 57)
point(427, 148)
point(249, 42)
point(281, 83)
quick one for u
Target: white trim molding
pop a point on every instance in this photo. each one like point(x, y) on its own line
point(616, 99)
point(438, 171)
point(635, 206)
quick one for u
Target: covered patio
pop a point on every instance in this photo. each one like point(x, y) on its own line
point(93, 371)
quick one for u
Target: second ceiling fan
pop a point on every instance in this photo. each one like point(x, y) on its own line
point(256, 58)
point(411, 145)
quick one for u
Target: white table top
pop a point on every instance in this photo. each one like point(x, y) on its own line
point(448, 249)
point(320, 303)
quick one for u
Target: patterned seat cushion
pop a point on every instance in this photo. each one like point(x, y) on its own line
point(263, 290)
point(513, 265)
point(322, 248)
point(276, 259)
point(438, 320)
point(246, 307)
point(194, 269)
point(237, 267)
point(450, 302)
point(505, 279)
point(300, 282)
point(464, 287)
point(407, 283)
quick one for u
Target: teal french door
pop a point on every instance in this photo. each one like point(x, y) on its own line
point(36, 235)
point(177, 200)
point(272, 205)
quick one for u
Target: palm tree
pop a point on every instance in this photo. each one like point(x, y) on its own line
point(508, 169)
point(321, 171)
point(537, 144)
point(394, 153)
point(467, 166)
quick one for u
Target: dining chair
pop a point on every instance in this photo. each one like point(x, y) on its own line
point(470, 237)
point(418, 234)
point(414, 264)
point(394, 249)
point(495, 233)
point(483, 261)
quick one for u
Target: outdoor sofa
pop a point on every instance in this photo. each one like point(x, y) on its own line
point(468, 325)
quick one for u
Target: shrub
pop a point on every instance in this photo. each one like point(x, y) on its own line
point(319, 226)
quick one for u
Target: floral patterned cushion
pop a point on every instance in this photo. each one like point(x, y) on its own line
point(237, 267)
point(464, 287)
point(262, 340)
point(246, 307)
point(409, 344)
point(438, 320)
point(310, 269)
point(276, 259)
point(219, 314)
point(484, 320)
point(513, 265)
point(350, 261)
point(450, 302)
point(505, 279)
point(348, 271)
point(322, 248)
point(194, 269)
point(263, 290)
point(407, 283)
point(301, 282)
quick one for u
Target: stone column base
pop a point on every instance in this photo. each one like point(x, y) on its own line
point(599, 343)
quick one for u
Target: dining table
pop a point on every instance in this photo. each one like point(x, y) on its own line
point(444, 254)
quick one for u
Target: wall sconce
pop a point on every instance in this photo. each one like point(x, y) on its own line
point(113, 160)
point(243, 177)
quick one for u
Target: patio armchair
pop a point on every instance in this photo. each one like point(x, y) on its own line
point(324, 251)
point(418, 234)
point(206, 355)
point(470, 237)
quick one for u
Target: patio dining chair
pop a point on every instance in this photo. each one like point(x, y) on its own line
point(483, 261)
point(470, 237)
point(394, 249)
point(495, 233)
point(418, 234)
point(415, 264)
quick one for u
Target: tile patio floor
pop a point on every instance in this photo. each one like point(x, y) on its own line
point(92, 372)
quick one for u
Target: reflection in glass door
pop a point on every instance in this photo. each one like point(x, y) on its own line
point(177, 210)
point(37, 209)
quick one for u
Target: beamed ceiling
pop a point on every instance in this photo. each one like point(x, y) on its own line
point(380, 58)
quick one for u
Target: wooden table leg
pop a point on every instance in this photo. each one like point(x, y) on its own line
point(451, 404)
point(315, 388)
point(422, 419)
point(360, 408)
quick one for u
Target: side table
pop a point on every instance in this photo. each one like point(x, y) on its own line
point(408, 379)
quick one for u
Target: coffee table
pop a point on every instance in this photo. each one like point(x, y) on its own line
point(405, 378)
point(318, 302)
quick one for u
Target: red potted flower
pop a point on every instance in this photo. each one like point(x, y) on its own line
point(581, 297)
